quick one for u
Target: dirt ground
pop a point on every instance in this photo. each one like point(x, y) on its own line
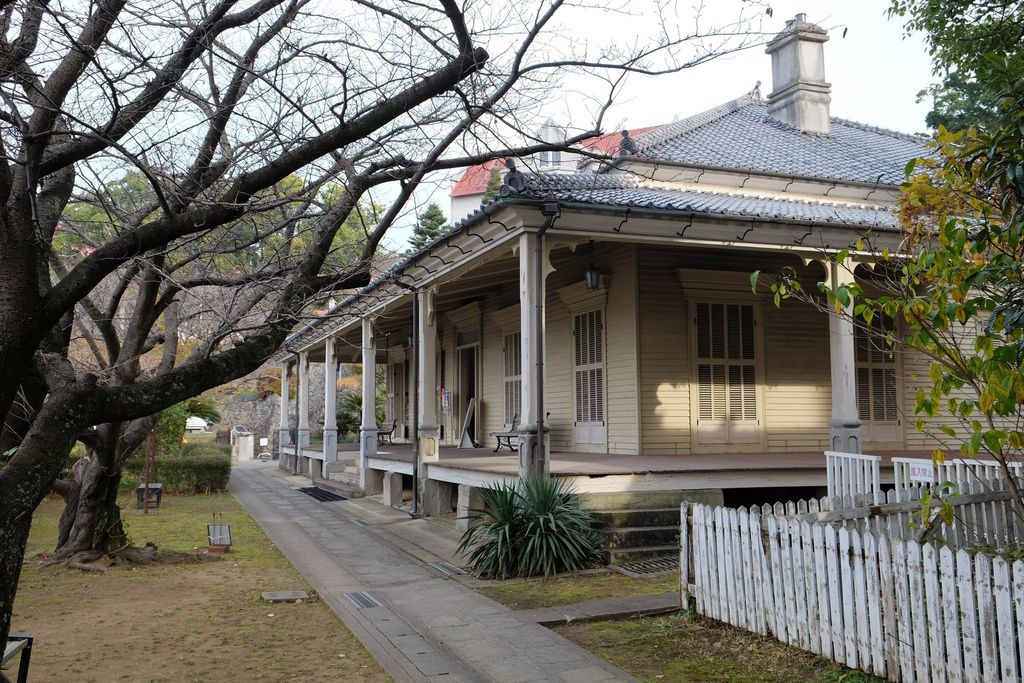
point(681, 648)
point(196, 622)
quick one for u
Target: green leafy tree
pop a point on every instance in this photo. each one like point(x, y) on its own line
point(430, 225)
point(493, 186)
point(961, 292)
point(959, 34)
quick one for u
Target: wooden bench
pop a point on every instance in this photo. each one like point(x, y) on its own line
point(506, 436)
point(18, 644)
point(387, 433)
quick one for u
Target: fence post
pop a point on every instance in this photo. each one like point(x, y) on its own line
point(684, 557)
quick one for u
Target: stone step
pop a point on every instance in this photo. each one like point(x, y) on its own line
point(613, 519)
point(640, 537)
point(627, 555)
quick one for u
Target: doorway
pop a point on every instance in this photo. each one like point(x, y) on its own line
point(468, 391)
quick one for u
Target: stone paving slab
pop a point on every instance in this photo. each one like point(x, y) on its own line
point(604, 608)
point(431, 627)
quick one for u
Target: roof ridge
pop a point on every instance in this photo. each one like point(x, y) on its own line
point(907, 137)
point(690, 123)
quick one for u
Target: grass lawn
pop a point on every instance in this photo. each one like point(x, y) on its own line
point(693, 649)
point(568, 590)
point(196, 622)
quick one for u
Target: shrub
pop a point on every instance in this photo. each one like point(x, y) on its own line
point(535, 526)
point(195, 468)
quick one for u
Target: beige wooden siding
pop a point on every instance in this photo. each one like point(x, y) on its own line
point(622, 355)
point(798, 377)
point(664, 361)
point(491, 408)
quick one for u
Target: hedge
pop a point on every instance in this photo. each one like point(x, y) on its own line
point(196, 468)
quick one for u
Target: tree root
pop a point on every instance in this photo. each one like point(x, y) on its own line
point(100, 562)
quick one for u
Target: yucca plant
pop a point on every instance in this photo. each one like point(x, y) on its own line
point(535, 526)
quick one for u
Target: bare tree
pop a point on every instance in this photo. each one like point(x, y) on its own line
point(238, 115)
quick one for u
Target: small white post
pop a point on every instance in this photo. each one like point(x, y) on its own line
point(303, 428)
point(330, 404)
point(368, 431)
point(844, 433)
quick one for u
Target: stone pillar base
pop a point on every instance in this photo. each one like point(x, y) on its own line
point(374, 483)
point(367, 449)
point(330, 445)
point(436, 499)
point(469, 500)
point(303, 437)
point(533, 458)
point(392, 489)
point(845, 439)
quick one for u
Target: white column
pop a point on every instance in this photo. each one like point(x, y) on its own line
point(368, 431)
point(330, 403)
point(844, 432)
point(427, 343)
point(283, 435)
point(533, 452)
point(303, 428)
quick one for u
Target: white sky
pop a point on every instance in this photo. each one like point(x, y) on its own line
point(875, 74)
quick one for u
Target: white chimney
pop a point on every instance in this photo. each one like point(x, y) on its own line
point(800, 94)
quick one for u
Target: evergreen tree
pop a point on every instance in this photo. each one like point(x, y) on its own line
point(493, 186)
point(430, 225)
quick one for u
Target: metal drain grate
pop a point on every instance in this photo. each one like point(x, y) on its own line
point(447, 568)
point(323, 496)
point(359, 521)
point(652, 567)
point(362, 600)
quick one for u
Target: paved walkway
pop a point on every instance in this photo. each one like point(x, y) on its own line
point(428, 626)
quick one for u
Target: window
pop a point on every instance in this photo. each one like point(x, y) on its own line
point(588, 365)
point(513, 378)
point(877, 394)
point(726, 365)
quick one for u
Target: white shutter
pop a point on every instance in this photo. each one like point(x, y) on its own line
point(727, 410)
point(877, 396)
point(513, 378)
point(588, 371)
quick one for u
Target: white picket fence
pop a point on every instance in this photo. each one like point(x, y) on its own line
point(914, 476)
point(895, 608)
point(853, 475)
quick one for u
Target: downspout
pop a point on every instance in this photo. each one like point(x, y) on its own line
point(550, 211)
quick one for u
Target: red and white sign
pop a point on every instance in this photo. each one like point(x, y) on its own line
point(924, 472)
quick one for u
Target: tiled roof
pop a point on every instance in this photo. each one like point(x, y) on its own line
point(474, 179)
point(740, 135)
point(624, 191)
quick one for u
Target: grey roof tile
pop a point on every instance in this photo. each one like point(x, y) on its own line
point(740, 135)
point(624, 191)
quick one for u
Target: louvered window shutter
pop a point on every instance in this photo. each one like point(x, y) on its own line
point(727, 410)
point(513, 379)
point(875, 362)
point(588, 371)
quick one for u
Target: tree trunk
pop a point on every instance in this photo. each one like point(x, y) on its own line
point(91, 521)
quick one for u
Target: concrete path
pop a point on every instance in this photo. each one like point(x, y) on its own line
point(427, 627)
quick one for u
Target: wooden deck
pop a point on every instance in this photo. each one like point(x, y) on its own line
point(591, 471)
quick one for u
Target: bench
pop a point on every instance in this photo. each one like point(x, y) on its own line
point(18, 644)
point(387, 433)
point(506, 436)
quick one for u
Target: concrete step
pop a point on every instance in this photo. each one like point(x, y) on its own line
point(342, 485)
point(614, 519)
point(640, 537)
point(627, 555)
point(646, 500)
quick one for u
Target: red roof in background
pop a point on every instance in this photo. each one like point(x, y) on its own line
point(474, 179)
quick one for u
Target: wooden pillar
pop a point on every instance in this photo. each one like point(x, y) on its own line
point(428, 438)
point(330, 403)
point(303, 388)
point(844, 425)
point(533, 451)
point(368, 430)
point(284, 437)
